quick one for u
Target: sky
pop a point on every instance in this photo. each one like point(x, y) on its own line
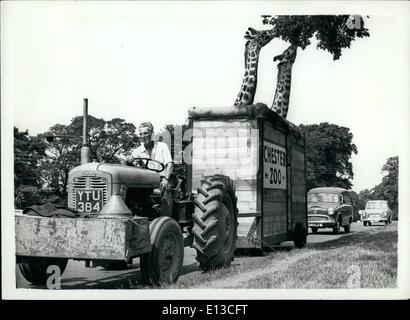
point(152, 61)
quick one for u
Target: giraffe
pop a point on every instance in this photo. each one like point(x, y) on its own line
point(255, 41)
point(281, 99)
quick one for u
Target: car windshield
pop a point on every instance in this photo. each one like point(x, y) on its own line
point(323, 197)
point(376, 205)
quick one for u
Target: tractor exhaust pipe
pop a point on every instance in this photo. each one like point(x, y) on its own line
point(85, 150)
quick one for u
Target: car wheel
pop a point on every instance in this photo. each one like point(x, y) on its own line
point(347, 228)
point(314, 229)
point(364, 223)
point(336, 228)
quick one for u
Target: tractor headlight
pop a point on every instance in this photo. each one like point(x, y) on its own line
point(331, 211)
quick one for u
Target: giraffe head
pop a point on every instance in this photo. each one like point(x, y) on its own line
point(288, 56)
point(261, 38)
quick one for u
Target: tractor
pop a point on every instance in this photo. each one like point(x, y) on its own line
point(129, 196)
point(249, 193)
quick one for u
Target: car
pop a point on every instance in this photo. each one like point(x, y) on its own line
point(377, 211)
point(329, 207)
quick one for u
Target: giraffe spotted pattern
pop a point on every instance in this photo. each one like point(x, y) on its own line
point(255, 41)
point(281, 99)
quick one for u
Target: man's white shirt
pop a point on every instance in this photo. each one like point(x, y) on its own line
point(160, 152)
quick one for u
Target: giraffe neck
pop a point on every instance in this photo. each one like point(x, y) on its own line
point(282, 93)
point(248, 88)
point(256, 40)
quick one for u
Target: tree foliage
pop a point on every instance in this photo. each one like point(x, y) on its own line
point(42, 168)
point(333, 32)
point(328, 148)
point(108, 140)
point(28, 152)
point(388, 189)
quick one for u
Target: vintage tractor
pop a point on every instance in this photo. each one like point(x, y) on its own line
point(121, 216)
point(248, 173)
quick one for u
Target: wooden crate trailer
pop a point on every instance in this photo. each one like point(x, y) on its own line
point(264, 155)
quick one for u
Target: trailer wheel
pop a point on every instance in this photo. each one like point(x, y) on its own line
point(34, 269)
point(215, 222)
point(163, 264)
point(299, 236)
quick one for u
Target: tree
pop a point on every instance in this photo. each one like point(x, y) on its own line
point(109, 141)
point(388, 189)
point(28, 152)
point(364, 196)
point(334, 33)
point(328, 150)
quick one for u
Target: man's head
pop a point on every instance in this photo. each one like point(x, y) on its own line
point(146, 130)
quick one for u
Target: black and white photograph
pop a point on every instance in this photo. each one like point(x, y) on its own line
point(205, 150)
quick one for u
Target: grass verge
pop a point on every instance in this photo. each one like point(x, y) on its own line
point(365, 259)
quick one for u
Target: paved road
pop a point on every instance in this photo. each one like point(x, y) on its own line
point(77, 276)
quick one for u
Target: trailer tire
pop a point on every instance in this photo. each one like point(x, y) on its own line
point(299, 236)
point(215, 222)
point(164, 263)
point(34, 269)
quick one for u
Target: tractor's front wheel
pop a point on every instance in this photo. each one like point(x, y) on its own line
point(163, 264)
point(36, 270)
point(215, 222)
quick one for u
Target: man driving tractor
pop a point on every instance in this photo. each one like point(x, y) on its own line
point(154, 150)
point(158, 151)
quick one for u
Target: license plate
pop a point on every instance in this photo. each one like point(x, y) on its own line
point(88, 200)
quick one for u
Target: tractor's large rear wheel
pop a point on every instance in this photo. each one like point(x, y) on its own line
point(215, 222)
point(35, 269)
point(163, 264)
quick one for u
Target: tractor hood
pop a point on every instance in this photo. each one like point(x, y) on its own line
point(120, 174)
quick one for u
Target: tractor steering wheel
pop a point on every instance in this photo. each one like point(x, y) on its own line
point(150, 164)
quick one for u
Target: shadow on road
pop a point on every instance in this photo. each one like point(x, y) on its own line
point(128, 279)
